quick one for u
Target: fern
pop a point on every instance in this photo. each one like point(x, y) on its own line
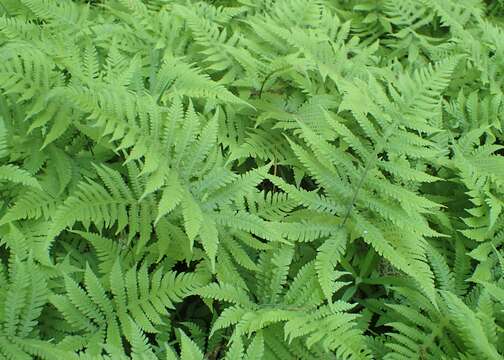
point(236, 179)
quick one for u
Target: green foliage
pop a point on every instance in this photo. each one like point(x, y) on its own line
point(238, 179)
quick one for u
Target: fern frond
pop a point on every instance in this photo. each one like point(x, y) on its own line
point(17, 175)
point(328, 256)
point(187, 80)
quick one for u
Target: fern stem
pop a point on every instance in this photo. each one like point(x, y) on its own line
point(355, 194)
point(269, 76)
point(368, 167)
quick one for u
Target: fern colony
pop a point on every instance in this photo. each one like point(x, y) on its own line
point(251, 179)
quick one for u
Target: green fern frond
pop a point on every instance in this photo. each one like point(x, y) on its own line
point(328, 256)
point(14, 174)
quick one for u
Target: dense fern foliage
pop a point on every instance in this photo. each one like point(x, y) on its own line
point(251, 179)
